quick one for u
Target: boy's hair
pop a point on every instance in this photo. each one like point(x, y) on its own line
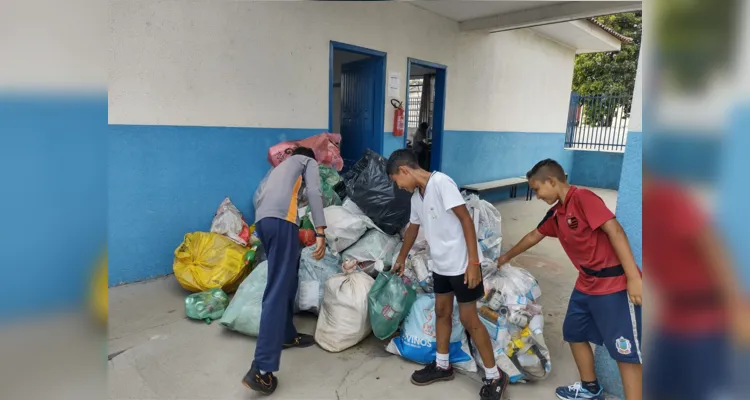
point(304, 151)
point(399, 158)
point(547, 169)
point(423, 126)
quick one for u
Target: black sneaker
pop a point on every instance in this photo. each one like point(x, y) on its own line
point(264, 383)
point(431, 374)
point(302, 340)
point(494, 389)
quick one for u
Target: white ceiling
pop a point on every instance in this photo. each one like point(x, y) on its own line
point(462, 10)
point(496, 16)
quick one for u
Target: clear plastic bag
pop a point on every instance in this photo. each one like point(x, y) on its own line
point(228, 221)
point(372, 247)
point(488, 225)
point(313, 275)
point(243, 313)
point(206, 306)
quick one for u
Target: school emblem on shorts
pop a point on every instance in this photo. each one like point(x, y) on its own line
point(623, 346)
point(572, 222)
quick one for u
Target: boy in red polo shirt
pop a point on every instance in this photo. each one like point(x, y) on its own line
point(605, 307)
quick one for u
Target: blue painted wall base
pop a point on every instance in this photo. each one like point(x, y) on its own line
point(54, 202)
point(474, 156)
point(166, 181)
point(598, 169)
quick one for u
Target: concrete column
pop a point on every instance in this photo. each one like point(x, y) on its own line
point(628, 214)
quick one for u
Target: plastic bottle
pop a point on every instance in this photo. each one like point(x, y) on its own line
point(536, 324)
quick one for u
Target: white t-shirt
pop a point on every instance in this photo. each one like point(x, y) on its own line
point(441, 227)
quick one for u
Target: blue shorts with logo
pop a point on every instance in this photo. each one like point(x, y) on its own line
point(610, 320)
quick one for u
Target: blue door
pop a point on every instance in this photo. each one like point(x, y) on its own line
point(358, 82)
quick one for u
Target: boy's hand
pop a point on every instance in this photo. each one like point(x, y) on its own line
point(473, 275)
point(635, 290)
point(398, 267)
point(740, 323)
point(502, 260)
point(320, 248)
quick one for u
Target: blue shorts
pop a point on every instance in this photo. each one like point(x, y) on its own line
point(610, 320)
point(685, 367)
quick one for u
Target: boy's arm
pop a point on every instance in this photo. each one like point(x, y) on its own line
point(621, 246)
point(528, 241)
point(545, 228)
point(409, 237)
point(473, 275)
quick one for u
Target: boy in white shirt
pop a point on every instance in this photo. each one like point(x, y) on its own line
point(437, 205)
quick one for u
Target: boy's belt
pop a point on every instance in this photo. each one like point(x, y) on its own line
point(608, 272)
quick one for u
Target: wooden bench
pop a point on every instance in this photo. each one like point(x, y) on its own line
point(512, 183)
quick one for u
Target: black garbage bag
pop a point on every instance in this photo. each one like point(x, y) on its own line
point(368, 186)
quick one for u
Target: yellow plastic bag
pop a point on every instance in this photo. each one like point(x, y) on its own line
point(209, 260)
point(99, 292)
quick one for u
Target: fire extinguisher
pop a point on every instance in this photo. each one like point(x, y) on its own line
point(398, 118)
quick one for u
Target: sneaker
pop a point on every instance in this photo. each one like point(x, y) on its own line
point(302, 340)
point(494, 389)
point(264, 383)
point(576, 391)
point(431, 374)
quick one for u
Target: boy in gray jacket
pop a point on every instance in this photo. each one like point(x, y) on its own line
point(277, 224)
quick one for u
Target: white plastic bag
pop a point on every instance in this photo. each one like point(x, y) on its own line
point(374, 246)
point(344, 228)
point(488, 226)
point(344, 319)
point(312, 278)
point(243, 313)
point(352, 207)
point(417, 341)
point(228, 221)
point(518, 335)
point(517, 285)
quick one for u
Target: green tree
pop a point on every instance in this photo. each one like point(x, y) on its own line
point(610, 73)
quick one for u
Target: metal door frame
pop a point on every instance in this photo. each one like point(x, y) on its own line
point(379, 101)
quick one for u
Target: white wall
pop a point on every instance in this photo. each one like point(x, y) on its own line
point(524, 86)
point(266, 64)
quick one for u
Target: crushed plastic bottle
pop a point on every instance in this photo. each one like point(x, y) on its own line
point(206, 306)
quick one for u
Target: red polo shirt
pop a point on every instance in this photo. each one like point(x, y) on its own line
point(576, 223)
point(672, 227)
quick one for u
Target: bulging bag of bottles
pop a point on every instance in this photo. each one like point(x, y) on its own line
point(206, 306)
point(313, 275)
point(488, 225)
point(243, 313)
point(390, 300)
point(417, 341)
point(515, 322)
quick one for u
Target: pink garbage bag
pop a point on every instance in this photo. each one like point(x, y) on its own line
point(326, 148)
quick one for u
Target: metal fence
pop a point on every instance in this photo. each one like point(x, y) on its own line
point(598, 122)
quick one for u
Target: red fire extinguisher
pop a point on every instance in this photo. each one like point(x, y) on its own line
point(398, 118)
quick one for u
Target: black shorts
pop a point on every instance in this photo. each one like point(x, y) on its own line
point(455, 284)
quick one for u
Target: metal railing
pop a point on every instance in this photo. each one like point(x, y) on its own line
point(415, 100)
point(598, 122)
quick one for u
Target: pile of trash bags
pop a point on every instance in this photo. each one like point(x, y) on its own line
point(351, 289)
